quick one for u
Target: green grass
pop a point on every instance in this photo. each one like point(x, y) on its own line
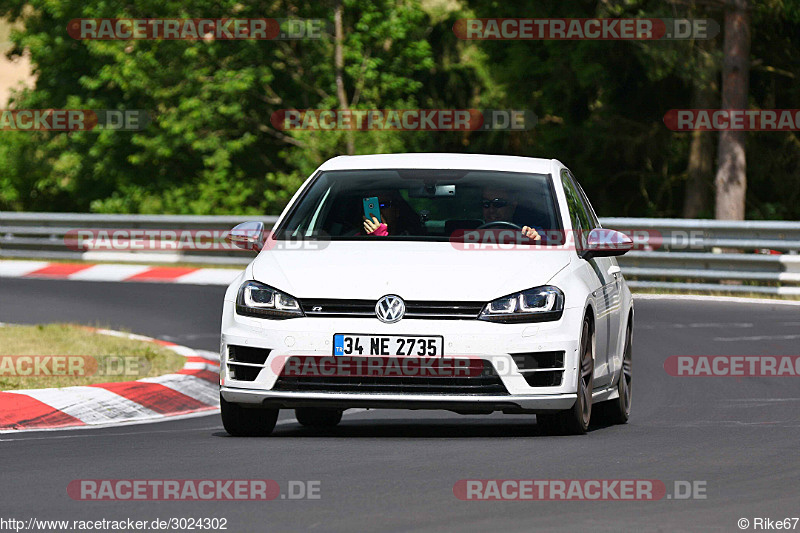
point(105, 358)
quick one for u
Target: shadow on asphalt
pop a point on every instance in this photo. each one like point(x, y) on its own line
point(418, 430)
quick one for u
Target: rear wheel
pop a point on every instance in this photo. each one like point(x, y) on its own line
point(247, 422)
point(618, 410)
point(315, 417)
point(575, 421)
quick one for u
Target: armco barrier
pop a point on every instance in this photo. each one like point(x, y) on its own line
point(686, 254)
point(42, 236)
point(712, 255)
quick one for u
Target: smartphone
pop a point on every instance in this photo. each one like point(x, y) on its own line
point(372, 208)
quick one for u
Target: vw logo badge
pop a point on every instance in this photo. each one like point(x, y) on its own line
point(390, 309)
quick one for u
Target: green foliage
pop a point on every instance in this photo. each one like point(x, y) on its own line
point(601, 103)
point(212, 149)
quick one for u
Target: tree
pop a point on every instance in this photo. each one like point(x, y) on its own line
point(211, 147)
point(731, 180)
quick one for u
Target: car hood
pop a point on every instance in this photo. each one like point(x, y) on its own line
point(412, 270)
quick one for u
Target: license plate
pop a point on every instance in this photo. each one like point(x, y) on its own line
point(388, 345)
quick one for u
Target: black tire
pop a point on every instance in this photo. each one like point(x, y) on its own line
point(315, 417)
point(618, 410)
point(247, 422)
point(575, 421)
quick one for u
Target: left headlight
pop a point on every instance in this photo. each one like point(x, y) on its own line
point(533, 305)
point(262, 301)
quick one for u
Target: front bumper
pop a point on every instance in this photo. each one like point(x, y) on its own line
point(452, 402)
point(466, 338)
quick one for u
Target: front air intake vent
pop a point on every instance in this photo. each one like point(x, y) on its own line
point(540, 369)
point(247, 354)
point(246, 362)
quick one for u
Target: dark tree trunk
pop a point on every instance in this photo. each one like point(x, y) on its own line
point(338, 62)
point(700, 181)
point(731, 180)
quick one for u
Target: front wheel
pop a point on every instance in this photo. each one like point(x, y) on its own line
point(247, 422)
point(618, 410)
point(575, 421)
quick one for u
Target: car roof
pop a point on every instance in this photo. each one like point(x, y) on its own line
point(442, 161)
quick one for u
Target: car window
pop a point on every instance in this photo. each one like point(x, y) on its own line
point(586, 203)
point(581, 221)
point(422, 204)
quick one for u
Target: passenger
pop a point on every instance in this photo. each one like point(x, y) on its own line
point(397, 217)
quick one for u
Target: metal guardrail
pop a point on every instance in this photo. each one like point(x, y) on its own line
point(711, 255)
point(685, 254)
point(43, 236)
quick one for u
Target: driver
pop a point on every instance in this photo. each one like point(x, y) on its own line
point(499, 207)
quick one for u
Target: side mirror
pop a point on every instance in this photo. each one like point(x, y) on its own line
point(606, 243)
point(247, 236)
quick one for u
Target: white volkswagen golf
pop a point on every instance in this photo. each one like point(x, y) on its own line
point(469, 283)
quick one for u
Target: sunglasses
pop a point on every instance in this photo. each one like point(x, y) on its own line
point(497, 203)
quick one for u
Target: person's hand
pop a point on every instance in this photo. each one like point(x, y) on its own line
point(531, 233)
point(374, 227)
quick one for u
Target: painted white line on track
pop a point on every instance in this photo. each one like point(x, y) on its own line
point(709, 298)
point(758, 338)
point(684, 326)
point(734, 400)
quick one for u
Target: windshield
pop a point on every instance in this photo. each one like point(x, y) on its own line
point(420, 204)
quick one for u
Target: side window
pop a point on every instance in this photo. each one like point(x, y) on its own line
point(587, 204)
point(581, 220)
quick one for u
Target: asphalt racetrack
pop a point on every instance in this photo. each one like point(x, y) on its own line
point(737, 439)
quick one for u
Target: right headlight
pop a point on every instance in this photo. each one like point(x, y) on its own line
point(539, 304)
point(262, 301)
